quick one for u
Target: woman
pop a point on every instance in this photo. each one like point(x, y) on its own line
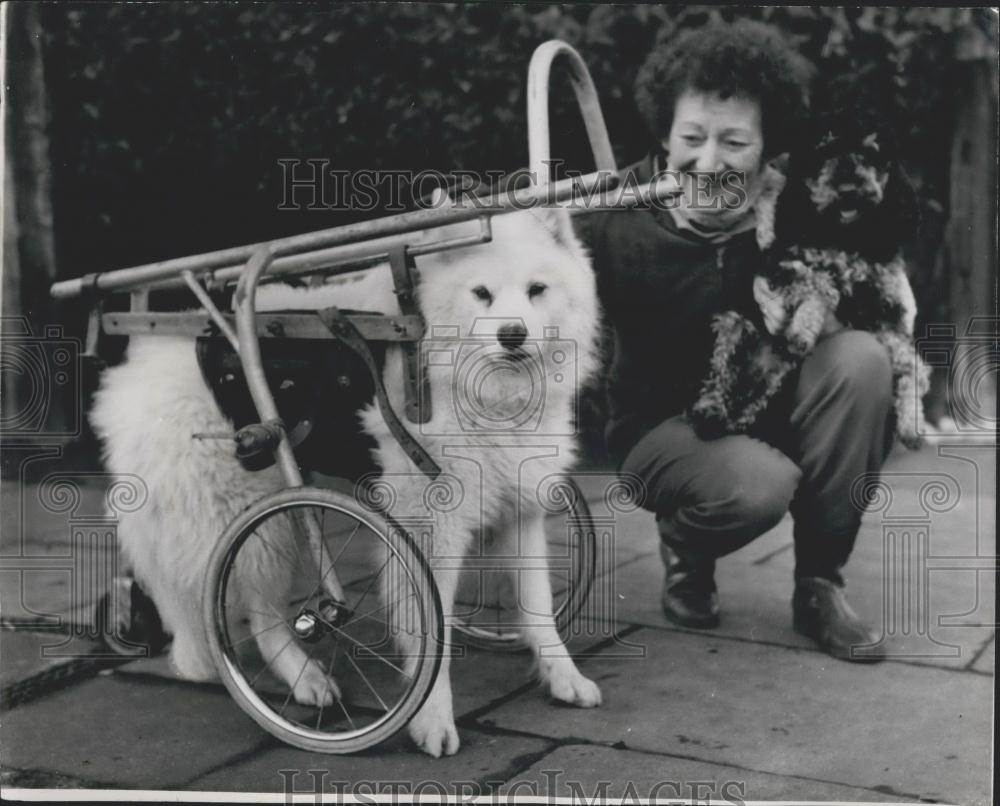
point(731, 97)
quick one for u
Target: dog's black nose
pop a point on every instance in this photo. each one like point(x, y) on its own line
point(512, 335)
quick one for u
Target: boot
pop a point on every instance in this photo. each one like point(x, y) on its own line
point(689, 595)
point(820, 611)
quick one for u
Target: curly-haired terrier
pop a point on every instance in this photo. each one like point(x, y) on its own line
point(830, 243)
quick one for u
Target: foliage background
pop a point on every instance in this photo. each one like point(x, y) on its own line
point(168, 119)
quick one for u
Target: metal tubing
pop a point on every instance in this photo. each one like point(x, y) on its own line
point(253, 366)
point(312, 241)
point(301, 254)
point(267, 410)
point(538, 109)
point(341, 259)
point(270, 325)
point(209, 306)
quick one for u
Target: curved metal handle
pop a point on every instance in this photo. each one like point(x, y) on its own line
point(538, 109)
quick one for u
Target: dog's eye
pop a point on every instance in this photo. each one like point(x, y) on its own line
point(536, 290)
point(483, 293)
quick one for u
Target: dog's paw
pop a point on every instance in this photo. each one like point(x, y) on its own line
point(191, 661)
point(575, 689)
point(434, 734)
point(313, 687)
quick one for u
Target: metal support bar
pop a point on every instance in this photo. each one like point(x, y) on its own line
point(206, 302)
point(253, 369)
point(93, 332)
point(299, 325)
point(253, 366)
point(223, 266)
point(139, 299)
point(340, 259)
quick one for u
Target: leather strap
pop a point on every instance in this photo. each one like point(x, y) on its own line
point(340, 326)
point(416, 394)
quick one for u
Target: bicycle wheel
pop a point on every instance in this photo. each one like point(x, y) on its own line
point(321, 673)
point(487, 599)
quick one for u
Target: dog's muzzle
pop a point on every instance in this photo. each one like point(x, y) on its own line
point(512, 337)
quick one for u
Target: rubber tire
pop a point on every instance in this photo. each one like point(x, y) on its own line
point(430, 610)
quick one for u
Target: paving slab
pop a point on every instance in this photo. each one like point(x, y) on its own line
point(138, 736)
point(393, 766)
point(986, 663)
point(593, 771)
point(22, 656)
point(57, 548)
point(893, 726)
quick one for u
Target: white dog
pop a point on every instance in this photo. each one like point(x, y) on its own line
point(517, 301)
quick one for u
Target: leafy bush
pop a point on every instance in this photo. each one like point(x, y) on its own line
point(169, 119)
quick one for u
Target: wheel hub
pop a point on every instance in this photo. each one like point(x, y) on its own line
point(312, 623)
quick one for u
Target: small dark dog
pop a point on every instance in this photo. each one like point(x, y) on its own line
point(830, 245)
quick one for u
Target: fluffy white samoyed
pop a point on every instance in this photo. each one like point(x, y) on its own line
point(524, 306)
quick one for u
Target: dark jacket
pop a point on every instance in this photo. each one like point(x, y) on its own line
point(659, 287)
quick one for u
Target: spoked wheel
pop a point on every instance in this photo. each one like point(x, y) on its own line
point(487, 601)
point(323, 672)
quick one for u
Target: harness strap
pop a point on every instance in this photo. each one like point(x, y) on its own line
point(416, 393)
point(342, 328)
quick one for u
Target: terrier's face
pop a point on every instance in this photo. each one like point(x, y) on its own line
point(847, 177)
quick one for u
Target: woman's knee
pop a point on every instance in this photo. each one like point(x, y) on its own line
point(852, 361)
point(737, 499)
point(760, 499)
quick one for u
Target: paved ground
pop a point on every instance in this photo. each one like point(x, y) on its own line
point(749, 711)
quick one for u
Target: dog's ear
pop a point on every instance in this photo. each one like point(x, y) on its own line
point(557, 221)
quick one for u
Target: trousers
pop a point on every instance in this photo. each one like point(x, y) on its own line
point(712, 497)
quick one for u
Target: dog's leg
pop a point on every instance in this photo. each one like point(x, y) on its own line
point(281, 651)
point(180, 612)
point(530, 567)
point(433, 726)
point(264, 571)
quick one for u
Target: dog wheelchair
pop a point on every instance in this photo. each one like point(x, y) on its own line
point(271, 373)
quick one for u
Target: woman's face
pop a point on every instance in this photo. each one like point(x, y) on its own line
point(713, 135)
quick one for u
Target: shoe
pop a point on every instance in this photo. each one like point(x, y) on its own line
point(689, 595)
point(820, 611)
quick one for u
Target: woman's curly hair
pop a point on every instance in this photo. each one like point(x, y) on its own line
point(743, 59)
